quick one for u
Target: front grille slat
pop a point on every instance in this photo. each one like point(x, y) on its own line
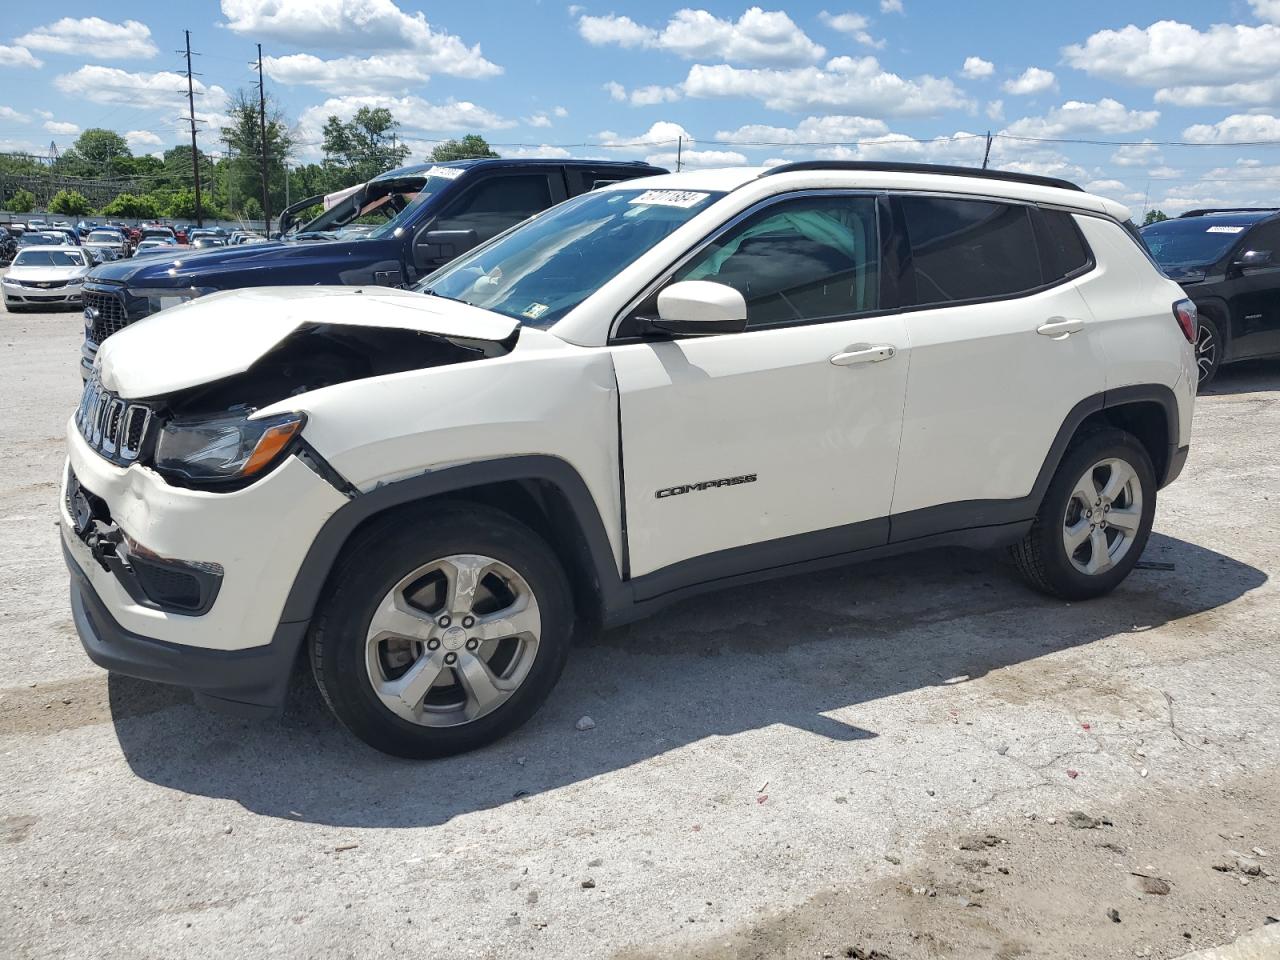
point(110, 316)
point(115, 428)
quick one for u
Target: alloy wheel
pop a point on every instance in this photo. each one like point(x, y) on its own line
point(1206, 352)
point(1103, 516)
point(453, 640)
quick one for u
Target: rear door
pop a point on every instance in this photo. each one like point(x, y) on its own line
point(1001, 350)
point(779, 437)
point(484, 208)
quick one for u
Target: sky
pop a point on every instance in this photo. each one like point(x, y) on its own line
point(1164, 105)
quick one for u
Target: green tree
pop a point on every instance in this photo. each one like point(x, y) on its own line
point(71, 202)
point(96, 153)
point(1154, 216)
point(132, 206)
point(243, 172)
point(472, 145)
point(363, 147)
point(22, 201)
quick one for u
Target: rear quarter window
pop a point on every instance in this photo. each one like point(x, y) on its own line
point(1063, 250)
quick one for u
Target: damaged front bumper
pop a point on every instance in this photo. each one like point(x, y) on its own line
point(189, 586)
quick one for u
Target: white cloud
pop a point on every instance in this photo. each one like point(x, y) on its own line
point(1176, 55)
point(1239, 127)
point(46, 114)
point(661, 139)
point(756, 37)
point(152, 91)
point(542, 152)
point(697, 158)
point(61, 127)
point(995, 110)
point(1032, 80)
point(1268, 10)
point(404, 49)
point(560, 112)
point(975, 68)
point(853, 24)
point(99, 38)
point(1248, 93)
point(380, 73)
point(18, 57)
point(8, 113)
point(811, 130)
point(891, 6)
point(856, 84)
point(419, 119)
point(1074, 116)
point(537, 120)
point(642, 96)
point(139, 139)
point(1136, 154)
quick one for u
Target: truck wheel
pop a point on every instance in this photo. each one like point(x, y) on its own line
point(1094, 521)
point(444, 631)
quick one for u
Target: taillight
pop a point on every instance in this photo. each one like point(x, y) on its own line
point(1188, 319)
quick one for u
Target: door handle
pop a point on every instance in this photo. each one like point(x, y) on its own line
point(864, 353)
point(1060, 327)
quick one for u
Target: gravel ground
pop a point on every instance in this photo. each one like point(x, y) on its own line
point(881, 761)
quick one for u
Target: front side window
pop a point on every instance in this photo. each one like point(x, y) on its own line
point(546, 267)
point(799, 261)
point(496, 204)
point(970, 249)
point(1266, 239)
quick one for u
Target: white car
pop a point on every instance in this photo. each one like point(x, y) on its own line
point(45, 275)
point(657, 388)
point(108, 244)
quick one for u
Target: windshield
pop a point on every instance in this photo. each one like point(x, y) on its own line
point(544, 268)
point(103, 236)
point(1196, 241)
point(41, 240)
point(49, 258)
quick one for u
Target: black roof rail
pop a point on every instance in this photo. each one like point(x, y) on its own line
point(1204, 210)
point(872, 166)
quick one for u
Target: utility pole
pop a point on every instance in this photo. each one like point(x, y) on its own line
point(987, 156)
point(262, 124)
point(191, 118)
point(679, 150)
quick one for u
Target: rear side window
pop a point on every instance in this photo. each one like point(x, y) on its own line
point(1062, 246)
point(496, 204)
point(970, 249)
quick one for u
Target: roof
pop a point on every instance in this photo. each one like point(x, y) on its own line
point(718, 179)
point(1238, 214)
point(929, 168)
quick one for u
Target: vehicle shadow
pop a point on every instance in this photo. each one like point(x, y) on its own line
point(1247, 376)
point(786, 652)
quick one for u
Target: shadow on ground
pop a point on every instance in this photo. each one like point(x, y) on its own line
point(1247, 376)
point(785, 652)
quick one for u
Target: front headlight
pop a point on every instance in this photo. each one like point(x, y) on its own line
point(224, 448)
point(160, 297)
point(75, 281)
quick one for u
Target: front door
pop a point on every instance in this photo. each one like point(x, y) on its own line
point(757, 449)
point(1254, 297)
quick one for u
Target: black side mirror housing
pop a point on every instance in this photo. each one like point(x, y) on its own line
point(1252, 259)
point(440, 246)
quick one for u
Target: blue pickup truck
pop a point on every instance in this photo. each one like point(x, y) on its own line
point(392, 231)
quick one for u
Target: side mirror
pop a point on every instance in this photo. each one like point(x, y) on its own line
point(1255, 258)
point(698, 308)
point(441, 246)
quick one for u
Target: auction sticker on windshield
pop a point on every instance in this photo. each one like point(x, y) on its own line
point(671, 198)
point(1225, 230)
point(446, 173)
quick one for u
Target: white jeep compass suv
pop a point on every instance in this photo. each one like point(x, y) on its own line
point(658, 388)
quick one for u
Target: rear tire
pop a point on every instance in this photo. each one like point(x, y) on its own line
point(446, 630)
point(1208, 350)
point(1094, 521)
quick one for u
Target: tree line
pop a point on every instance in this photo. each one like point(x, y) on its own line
point(151, 186)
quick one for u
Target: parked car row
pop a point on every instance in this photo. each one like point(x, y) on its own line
point(658, 387)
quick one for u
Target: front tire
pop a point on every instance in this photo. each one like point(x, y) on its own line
point(446, 630)
point(1094, 521)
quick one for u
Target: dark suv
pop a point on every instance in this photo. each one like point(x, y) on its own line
point(1228, 261)
point(391, 231)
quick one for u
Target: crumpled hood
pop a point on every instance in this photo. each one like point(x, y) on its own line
point(223, 334)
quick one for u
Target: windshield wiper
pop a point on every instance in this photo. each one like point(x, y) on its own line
point(444, 296)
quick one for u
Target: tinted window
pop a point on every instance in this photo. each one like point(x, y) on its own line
point(799, 261)
point(1062, 247)
point(496, 204)
point(970, 249)
point(1266, 238)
